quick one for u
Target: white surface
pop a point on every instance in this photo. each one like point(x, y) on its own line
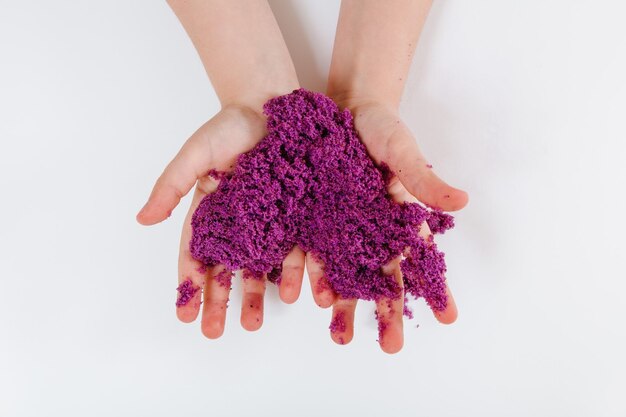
point(520, 103)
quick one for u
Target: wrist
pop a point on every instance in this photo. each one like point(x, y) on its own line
point(358, 93)
point(255, 98)
point(363, 103)
point(360, 77)
point(241, 109)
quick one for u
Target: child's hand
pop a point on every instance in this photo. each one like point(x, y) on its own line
point(247, 61)
point(388, 140)
point(216, 145)
point(374, 46)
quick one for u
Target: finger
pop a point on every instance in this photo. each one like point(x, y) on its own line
point(216, 292)
point(291, 276)
point(400, 194)
point(323, 294)
point(191, 273)
point(252, 302)
point(450, 314)
point(417, 175)
point(342, 324)
point(192, 161)
point(188, 300)
point(389, 314)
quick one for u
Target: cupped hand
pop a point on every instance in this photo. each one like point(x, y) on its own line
point(214, 146)
point(387, 140)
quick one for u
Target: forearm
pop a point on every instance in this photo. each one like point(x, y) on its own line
point(241, 48)
point(373, 49)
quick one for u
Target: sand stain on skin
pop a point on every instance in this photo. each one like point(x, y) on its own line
point(338, 323)
point(224, 278)
point(382, 326)
point(186, 292)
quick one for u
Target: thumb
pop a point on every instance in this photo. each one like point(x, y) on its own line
point(192, 161)
point(417, 175)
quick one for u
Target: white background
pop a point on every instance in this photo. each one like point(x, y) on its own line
point(520, 103)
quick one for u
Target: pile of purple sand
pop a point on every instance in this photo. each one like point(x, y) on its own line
point(311, 183)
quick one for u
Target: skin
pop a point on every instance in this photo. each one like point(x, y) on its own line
point(374, 47)
point(234, 40)
point(372, 54)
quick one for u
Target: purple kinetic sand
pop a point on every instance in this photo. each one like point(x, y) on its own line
point(338, 324)
point(406, 310)
point(311, 183)
point(186, 291)
point(382, 325)
point(224, 278)
point(439, 222)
